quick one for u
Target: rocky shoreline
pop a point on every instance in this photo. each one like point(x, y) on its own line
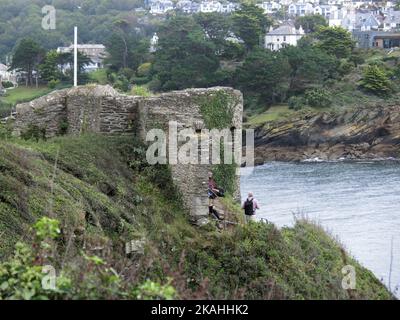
point(357, 134)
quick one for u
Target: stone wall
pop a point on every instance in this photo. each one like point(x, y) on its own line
point(184, 108)
point(84, 109)
point(101, 109)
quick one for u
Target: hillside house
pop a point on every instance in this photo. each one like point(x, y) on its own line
point(96, 53)
point(283, 36)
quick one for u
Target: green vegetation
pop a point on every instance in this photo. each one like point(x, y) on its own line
point(375, 80)
point(335, 41)
point(24, 94)
point(274, 113)
point(311, 23)
point(22, 18)
point(26, 58)
point(140, 91)
point(186, 58)
point(217, 111)
point(249, 24)
point(73, 203)
point(19, 95)
point(99, 76)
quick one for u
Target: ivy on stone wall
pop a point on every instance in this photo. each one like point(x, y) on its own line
point(217, 110)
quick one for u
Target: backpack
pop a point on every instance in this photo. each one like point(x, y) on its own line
point(248, 207)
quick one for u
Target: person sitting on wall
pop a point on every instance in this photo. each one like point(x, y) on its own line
point(213, 192)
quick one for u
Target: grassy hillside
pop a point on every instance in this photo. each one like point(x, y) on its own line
point(98, 194)
point(19, 95)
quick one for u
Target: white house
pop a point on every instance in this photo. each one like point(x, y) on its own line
point(300, 9)
point(283, 36)
point(392, 20)
point(367, 21)
point(270, 7)
point(229, 7)
point(6, 75)
point(210, 6)
point(188, 6)
point(161, 6)
point(336, 17)
point(325, 10)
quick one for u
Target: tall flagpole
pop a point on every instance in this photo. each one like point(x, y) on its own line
point(75, 56)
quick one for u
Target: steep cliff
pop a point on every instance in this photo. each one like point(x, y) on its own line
point(124, 234)
point(360, 133)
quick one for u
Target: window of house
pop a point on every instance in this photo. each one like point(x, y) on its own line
point(284, 38)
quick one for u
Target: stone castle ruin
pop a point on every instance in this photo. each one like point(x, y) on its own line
point(101, 109)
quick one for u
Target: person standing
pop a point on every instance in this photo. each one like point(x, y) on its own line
point(250, 206)
point(213, 192)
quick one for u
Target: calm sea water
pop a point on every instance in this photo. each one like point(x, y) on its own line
point(359, 202)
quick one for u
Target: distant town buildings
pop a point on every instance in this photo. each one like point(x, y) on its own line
point(160, 7)
point(270, 7)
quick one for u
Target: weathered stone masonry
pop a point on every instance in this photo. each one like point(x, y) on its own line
point(103, 110)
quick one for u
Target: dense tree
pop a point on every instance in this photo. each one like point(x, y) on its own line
point(27, 56)
point(335, 41)
point(22, 19)
point(49, 68)
point(126, 47)
point(311, 23)
point(83, 61)
point(185, 56)
point(310, 67)
point(265, 75)
point(250, 24)
point(216, 27)
point(54, 64)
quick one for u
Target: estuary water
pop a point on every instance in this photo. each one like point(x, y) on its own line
point(359, 202)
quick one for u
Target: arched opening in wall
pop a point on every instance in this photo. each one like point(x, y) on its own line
point(233, 133)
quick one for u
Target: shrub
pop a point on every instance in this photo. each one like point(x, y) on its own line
point(150, 290)
point(356, 58)
point(122, 84)
point(154, 85)
point(140, 91)
point(99, 76)
point(318, 98)
point(144, 69)
point(5, 131)
point(53, 83)
point(296, 103)
point(7, 84)
point(63, 127)
point(5, 109)
point(345, 67)
point(139, 80)
point(376, 81)
point(34, 132)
